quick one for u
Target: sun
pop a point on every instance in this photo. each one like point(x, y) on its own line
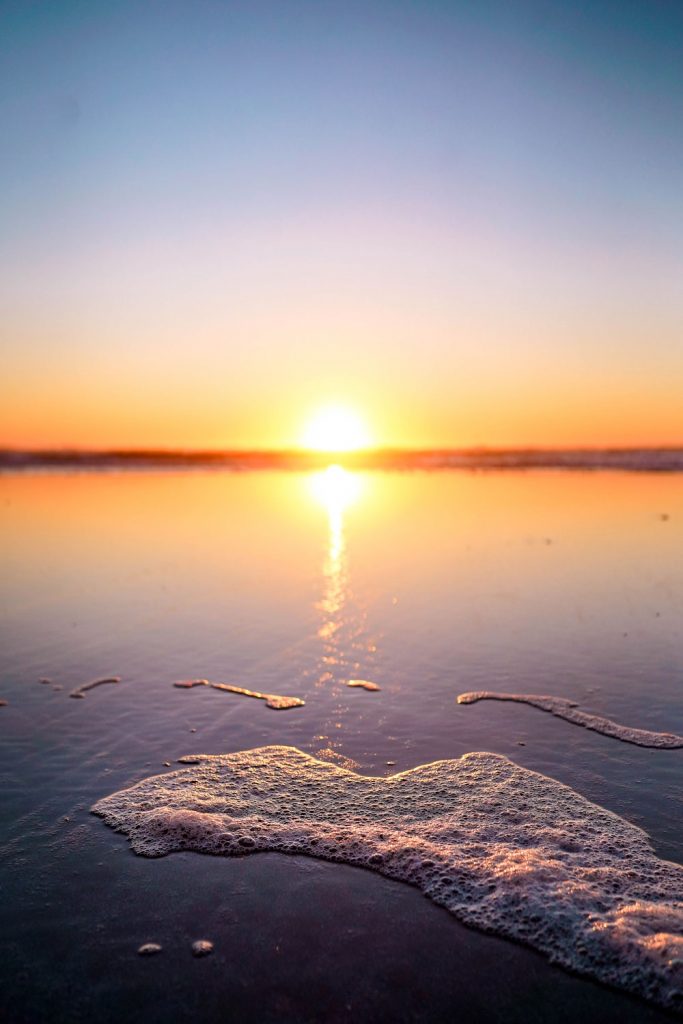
point(336, 428)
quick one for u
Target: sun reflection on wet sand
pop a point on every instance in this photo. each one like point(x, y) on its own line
point(336, 489)
point(347, 648)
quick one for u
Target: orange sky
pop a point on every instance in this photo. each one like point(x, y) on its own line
point(82, 411)
point(202, 400)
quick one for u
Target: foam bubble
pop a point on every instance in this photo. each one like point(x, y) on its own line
point(149, 949)
point(503, 848)
point(273, 700)
point(568, 709)
point(202, 947)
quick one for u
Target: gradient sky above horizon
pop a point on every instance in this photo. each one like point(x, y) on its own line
point(464, 220)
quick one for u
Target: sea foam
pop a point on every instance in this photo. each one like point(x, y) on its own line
point(273, 700)
point(504, 849)
point(81, 691)
point(569, 710)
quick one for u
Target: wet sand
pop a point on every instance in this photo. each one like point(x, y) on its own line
point(431, 586)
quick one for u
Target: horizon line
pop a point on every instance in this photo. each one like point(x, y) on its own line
point(648, 459)
point(383, 449)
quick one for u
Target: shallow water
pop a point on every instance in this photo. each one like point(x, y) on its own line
point(429, 585)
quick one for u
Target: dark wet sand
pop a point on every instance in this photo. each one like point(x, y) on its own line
point(295, 940)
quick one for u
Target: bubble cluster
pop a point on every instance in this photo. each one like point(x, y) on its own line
point(568, 709)
point(503, 848)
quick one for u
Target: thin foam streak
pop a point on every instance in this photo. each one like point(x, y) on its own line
point(569, 710)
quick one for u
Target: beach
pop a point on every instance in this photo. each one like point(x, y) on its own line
point(430, 585)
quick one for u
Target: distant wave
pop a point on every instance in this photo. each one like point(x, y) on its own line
point(661, 460)
point(569, 710)
point(502, 848)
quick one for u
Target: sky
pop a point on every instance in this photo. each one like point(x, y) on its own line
point(463, 220)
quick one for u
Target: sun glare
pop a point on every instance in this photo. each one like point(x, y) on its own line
point(335, 489)
point(336, 429)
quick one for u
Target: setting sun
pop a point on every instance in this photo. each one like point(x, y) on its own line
point(336, 429)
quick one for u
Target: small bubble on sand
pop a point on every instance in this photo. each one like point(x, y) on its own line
point(202, 947)
point(3, 703)
point(149, 948)
point(45, 682)
point(391, 763)
point(363, 684)
point(57, 687)
point(81, 691)
point(167, 764)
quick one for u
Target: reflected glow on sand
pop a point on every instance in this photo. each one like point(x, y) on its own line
point(336, 489)
point(346, 647)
